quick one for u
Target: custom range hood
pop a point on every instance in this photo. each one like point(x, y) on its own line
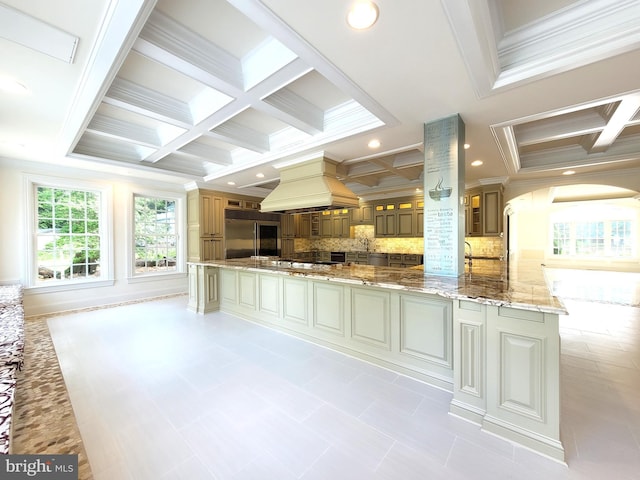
point(309, 186)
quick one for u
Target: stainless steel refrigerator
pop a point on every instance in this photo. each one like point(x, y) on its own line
point(249, 233)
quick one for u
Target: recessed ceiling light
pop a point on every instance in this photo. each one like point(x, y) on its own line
point(568, 172)
point(375, 143)
point(260, 175)
point(476, 163)
point(11, 85)
point(231, 183)
point(466, 146)
point(362, 15)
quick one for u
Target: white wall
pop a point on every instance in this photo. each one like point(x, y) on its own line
point(14, 240)
point(530, 221)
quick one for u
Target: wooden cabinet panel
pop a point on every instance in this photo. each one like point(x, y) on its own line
point(492, 209)
point(362, 215)
point(426, 329)
point(287, 225)
point(405, 224)
point(328, 308)
point(295, 304)
point(326, 225)
point(211, 249)
point(370, 317)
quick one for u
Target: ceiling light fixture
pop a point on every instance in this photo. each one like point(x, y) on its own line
point(568, 172)
point(476, 163)
point(466, 146)
point(362, 15)
point(11, 85)
point(260, 175)
point(231, 183)
point(375, 143)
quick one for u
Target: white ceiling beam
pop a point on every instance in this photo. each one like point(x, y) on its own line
point(387, 165)
point(122, 23)
point(172, 44)
point(622, 116)
point(101, 147)
point(208, 153)
point(116, 128)
point(147, 102)
point(241, 135)
point(249, 99)
point(296, 111)
point(562, 126)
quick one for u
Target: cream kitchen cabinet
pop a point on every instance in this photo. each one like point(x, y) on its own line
point(362, 215)
point(483, 211)
point(340, 223)
point(205, 220)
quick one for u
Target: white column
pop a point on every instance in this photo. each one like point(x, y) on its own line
point(444, 197)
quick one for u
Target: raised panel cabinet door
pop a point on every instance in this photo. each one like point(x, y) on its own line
point(419, 223)
point(337, 226)
point(206, 215)
point(295, 303)
point(380, 225)
point(475, 210)
point(405, 224)
point(390, 224)
point(304, 226)
point(328, 308)
point(247, 289)
point(426, 329)
point(287, 222)
point(288, 247)
point(326, 226)
point(371, 317)
point(209, 300)
point(193, 243)
point(269, 294)
point(193, 288)
point(366, 214)
point(346, 224)
point(211, 215)
point(211, 249)
point(492, 215)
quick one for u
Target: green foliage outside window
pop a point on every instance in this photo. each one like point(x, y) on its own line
point(155, 235)
point(68, 234)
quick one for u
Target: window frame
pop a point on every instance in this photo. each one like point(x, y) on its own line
point(574, 218)
point(180, 200)
point(106, 233)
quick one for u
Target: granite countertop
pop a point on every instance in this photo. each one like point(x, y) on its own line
point(494, 282)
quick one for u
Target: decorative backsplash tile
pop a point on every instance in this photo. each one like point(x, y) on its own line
point(362, 236)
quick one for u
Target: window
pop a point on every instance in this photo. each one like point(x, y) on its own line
point(70, 245)
point(594, 232)
point(621, 239)
point(155, 235)
point(561, 240)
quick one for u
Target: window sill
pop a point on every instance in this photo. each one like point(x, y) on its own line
point(39, 289)
point(154, 277)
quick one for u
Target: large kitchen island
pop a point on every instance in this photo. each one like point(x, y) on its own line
point(490, 336)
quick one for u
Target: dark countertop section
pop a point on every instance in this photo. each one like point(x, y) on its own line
point(490, 282)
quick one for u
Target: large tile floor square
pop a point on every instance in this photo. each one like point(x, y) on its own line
point(162, 393)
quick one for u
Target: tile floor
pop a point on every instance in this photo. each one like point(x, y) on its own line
point(162, 393)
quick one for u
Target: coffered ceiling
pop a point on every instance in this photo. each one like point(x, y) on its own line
point(218, 93)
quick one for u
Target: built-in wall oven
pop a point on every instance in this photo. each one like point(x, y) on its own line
point(338, 257)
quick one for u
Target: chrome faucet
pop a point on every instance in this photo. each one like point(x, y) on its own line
point(470, 253)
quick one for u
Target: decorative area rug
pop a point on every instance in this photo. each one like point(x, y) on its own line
point(44, 421)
